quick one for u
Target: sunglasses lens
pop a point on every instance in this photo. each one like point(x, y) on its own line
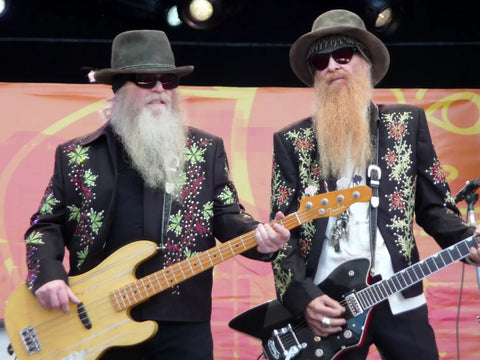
point(148, 81)
point(343, 56)
point(169, 82)
point(320, 61)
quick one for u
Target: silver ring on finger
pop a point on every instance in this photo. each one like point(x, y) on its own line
point(326, 321)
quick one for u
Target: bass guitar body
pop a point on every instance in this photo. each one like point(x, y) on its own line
point(90, 328)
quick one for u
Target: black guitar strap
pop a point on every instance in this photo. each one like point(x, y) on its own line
point(157, 208)
point(374, 174)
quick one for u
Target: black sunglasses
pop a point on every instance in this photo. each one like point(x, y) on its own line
point(148, 81)
point(342, 56)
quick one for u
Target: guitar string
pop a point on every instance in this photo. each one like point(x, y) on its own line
point(97, 308)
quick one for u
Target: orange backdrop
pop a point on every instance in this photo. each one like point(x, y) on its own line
point(37, 117)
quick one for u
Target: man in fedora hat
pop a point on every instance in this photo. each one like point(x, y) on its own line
point(144, 175)
point(350, 141)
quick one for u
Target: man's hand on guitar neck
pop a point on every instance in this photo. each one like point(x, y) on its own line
point(271, 239)
point(323, 315)
point(474, 256)
point(56, 294)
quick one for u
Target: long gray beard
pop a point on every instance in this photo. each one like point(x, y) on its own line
point(154, 143)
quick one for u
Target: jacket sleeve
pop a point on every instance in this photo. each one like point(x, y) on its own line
point(230, 218)
point(435, 207)
point(45, 246)
point(294, 288)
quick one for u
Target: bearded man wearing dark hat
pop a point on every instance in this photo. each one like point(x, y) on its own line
point(350, 141)
point(144, 175)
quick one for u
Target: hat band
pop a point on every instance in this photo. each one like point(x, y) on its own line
point(146, 67)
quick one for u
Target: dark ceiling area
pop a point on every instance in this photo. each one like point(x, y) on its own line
point(436, 45)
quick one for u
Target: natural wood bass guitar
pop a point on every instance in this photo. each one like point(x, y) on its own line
point(110, 290)
point(285, 337)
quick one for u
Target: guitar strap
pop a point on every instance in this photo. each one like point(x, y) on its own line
point(374, 174)
point(157, 208)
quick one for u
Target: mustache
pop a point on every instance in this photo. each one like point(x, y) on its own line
point(155, 97)
point(332, 75)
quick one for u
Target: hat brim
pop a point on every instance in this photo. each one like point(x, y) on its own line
point(105, 76)
point(378, 52)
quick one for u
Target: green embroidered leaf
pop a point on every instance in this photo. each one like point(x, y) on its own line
point(90, 178)
point(74, 213)
point(194, 154)
point(208, 210)
point(282, 277)
point(189, 254)
point(78, 155)
point(82, 255)
point(175, 223)
point(227, 196)
point(35, 238)
point(48, 205)
point(97, 220)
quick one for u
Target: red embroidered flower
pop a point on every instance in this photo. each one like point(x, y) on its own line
point(283, 194)
point(303, 144)
point(315, 170)
point(437, 172)
point(391, 158)
point(304, 247)
point(396, 201)
point(397, 130)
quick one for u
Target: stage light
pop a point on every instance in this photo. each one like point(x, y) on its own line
point(3, 7)
point(383, 16)
point(205, 14)
point(173, 19)
point(201, 10)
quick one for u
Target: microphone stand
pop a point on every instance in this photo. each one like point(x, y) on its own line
point(471, 198)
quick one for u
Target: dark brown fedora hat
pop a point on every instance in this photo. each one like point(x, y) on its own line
point(339, 22)
point(141, 52)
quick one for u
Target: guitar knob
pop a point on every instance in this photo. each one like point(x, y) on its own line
point(321, 212)
point(340, 198)
point(324, 202)
point(356, 195)
point(347, 334)
point(319, 353)
point(308, 205)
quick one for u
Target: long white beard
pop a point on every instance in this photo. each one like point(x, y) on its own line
point(155, 143)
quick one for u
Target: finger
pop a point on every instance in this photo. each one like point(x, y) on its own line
point(63, 299)
point(72, 297)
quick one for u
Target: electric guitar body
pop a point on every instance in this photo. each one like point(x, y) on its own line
point(285, 337)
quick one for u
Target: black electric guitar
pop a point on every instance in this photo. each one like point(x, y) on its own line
point(110, 290)
point(284, 337)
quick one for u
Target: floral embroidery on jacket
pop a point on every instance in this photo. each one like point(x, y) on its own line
point(283, 196)
point(193, 220)
point(33, 240)
point(88, 220)
point(402, 200)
